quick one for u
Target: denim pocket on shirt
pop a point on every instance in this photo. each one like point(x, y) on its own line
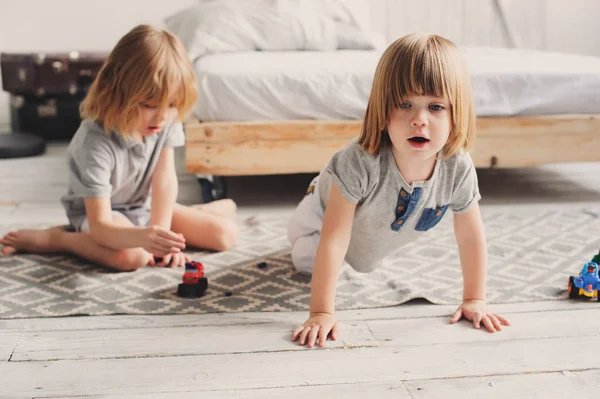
point(430, 217)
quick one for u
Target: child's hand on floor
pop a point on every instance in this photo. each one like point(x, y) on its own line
point(476, 310)
point(175, 259)
point(160, 241)
point(316, 330)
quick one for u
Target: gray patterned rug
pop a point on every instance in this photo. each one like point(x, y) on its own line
point(531, 254)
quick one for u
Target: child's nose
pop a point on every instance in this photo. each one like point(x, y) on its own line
point(165, 115)
point(157, 118)
point(419, 119)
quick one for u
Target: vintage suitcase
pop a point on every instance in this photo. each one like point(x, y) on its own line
point(51, 117)
point(47, 74)
point(47, 89)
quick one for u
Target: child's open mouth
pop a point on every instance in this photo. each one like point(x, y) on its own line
point(418, 141)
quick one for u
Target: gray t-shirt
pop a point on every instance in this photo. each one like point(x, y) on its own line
point(390, 212)
point(113, 166)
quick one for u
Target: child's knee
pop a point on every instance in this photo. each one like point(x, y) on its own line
point(230, 204)
point(304, 251)
point(226, 236)
point(302, 263)
point(128, 260)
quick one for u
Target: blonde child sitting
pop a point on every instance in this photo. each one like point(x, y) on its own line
point(121, 200)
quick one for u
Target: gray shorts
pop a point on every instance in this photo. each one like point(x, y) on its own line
point(138, 217)
point(304, 229)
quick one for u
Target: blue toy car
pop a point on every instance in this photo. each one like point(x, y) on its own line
point(587, 284)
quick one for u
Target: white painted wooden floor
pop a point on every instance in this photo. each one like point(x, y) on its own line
point(550, 351)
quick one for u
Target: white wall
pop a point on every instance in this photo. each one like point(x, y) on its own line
point(65, 25)
point(572, 26)
point(557, 25)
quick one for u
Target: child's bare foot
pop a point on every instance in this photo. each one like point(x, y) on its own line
point(31, 240)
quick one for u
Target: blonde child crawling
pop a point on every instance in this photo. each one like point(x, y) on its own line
point(121, 200)
point(407, 168)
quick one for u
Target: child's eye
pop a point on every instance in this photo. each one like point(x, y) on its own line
point(148, 106)
point(436, 107)
point(404, 105)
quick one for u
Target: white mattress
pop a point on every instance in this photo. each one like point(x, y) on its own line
point(336, 85)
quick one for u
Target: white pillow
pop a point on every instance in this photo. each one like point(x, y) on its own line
point(216, 26)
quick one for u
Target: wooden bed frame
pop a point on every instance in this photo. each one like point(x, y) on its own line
point(278, 147)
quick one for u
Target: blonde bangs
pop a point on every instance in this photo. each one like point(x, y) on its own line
point(172, 83)
point(148, 66)
point(419, 64)
point(420, 71)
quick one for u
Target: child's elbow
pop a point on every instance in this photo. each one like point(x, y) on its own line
point(96, 234)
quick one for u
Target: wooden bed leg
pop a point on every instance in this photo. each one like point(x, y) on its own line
point(493, 162)
point(212, 187)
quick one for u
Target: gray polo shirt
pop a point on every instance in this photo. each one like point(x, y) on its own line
point(390, 212)
point(113, 166)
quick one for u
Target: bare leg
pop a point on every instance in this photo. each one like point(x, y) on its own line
point(224, 207)
point(204, 229)
point(32, 240)
point(56, 239)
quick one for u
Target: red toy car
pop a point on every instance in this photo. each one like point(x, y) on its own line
point(194, 284)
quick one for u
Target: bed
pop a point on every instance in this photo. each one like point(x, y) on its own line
point(288, 112)
point(279, 112)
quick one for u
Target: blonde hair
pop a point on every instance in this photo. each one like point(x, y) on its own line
point(420, 64)
point(147, 66)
